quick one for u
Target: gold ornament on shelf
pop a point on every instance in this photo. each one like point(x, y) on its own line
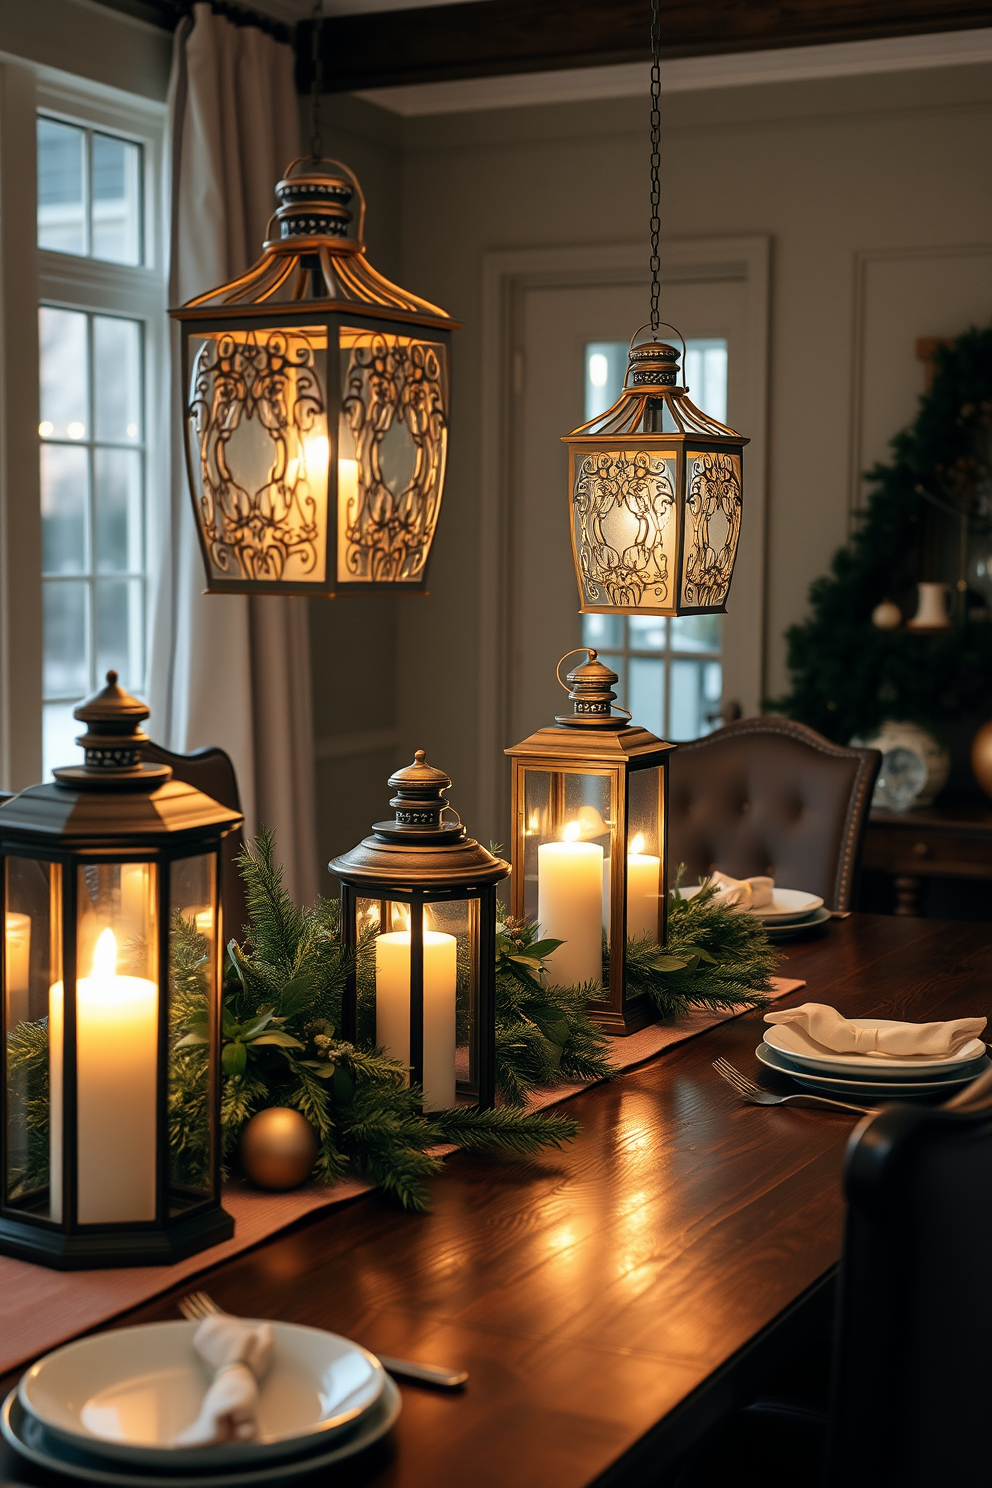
point(886, 616)
point(278, 1148)
point(981, 757)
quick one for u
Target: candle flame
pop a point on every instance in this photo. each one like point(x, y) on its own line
point(105, 955)
point(401, 918)
point(571, 831)
point(637, 846)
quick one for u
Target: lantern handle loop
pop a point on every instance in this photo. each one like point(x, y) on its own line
point(648, 326)
point(454, 813)
point(564, 685)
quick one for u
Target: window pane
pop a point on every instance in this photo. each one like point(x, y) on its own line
point(64, 374)
point(696, 633)
point(59, 732)
point(646, 693)
point(646, 633)
point(116, 200)
point(117, 379)
point(65, 672)
point(64, 476)
point(606, 367)
point(117, 511)
point(61, 187)
point(118, 622)
point(602, 630)
point(696, 688)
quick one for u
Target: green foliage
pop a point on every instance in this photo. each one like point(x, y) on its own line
point(847, 676)
point(27, 1082)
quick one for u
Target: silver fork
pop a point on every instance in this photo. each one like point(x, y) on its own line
point(755, 1096)
point(199, 1305)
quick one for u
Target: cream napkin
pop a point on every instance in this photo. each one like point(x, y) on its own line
point(748, 893)
point(238, 1354)
point(901, 1040)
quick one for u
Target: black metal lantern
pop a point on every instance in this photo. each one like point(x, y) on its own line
point(113, 940)
point(418, 902)
point(590, 842)
point(317, 408)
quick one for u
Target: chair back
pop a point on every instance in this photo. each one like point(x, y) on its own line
point(212, 772)
point(913, 1354)
point(770, 796)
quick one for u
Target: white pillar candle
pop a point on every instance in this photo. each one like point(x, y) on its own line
point(56, 1029)
point(570, 906)
point(347, 511)
point(17, 948)
point(116, 1090)
point(643, 889)
point(392, 1008)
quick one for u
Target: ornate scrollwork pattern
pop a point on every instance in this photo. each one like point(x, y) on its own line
point(622, 514)
point(258, 416)
point(395, 406)
point(713, 527)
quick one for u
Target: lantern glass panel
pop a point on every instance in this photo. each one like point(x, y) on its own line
point(32, 973)
point(116, 1042)
point(460, 918)
point(645, 853)
point(193, 953)
point(259, 452)
point(713, 526)
point(392, 451)
point(625, 527)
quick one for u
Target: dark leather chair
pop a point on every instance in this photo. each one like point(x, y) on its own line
point(211, 771)
point(770, 796)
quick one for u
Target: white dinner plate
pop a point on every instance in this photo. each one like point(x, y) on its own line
point(882, 1089)
point(787, 905)
point(128, 1393)
point(803, 1049)
point(29, 1438)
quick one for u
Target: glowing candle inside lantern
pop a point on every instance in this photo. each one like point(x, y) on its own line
point(392, 1008)
point(643, 889)
point(116, 1090)
point(570, 906)
point(347, 511)
point(17, 948)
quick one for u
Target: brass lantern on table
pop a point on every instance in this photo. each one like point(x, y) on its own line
point(655, 497)
point(317, 408)
point(590, 842)
point(418, 904)
point(111, 897)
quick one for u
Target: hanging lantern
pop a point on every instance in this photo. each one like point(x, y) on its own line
point(317, 412)
point(113, 940)
point(418, 899)
point(655, 496)
point(589, 841)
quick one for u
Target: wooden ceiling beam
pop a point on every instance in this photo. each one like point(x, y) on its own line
point(498, 37)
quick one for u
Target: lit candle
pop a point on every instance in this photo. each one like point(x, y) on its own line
point(116, 1091)
point(392, 1008)
point(17, 945)
point(643, 888)
point(570, 906)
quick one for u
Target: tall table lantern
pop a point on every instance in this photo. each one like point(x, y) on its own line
point(418, 901)
point(111, 895)
point(589, 840)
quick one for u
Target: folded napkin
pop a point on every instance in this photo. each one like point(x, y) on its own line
point(899, 1040)
point(748, 893)
point(238, 1354)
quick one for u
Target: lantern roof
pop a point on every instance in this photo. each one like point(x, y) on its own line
point(652, 387)
point(314, 259)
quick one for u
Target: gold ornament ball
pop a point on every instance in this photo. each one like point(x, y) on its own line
point(278, 1148)
point(886, 616)
point(981, 757)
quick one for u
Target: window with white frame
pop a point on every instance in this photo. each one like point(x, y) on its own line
point(100, 335)
point(670, 671)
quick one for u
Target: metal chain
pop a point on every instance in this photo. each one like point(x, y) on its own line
point(316, 87)
point(655, 163)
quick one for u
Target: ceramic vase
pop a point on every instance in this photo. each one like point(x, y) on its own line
point(915, 766)
point(931, 608)
point(981, 757)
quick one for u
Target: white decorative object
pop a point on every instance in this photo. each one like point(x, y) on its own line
point(886, 616)
point(915, 766)
point(570, 906)
point(931, 608)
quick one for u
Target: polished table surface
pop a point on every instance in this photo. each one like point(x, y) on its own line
point(612, 1299)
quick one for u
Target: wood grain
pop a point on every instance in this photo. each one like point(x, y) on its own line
point(610, 1300)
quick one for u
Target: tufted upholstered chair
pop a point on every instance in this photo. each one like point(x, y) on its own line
point(767, 795)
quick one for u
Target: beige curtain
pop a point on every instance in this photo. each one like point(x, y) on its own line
point(230, 670)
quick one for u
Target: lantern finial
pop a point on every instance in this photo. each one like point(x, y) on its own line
point(591, 692)
point(113, 742)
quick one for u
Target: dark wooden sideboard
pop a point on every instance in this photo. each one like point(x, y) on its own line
point(952, 839)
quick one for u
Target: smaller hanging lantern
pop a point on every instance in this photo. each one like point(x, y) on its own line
point(589, 841)
point(111, 896)
point(418, 898)
point(655, 495)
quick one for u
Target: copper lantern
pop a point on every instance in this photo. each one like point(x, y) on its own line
point(418, 904)
point(112, 951)
point(590, 843)
point(317, 408)
point(655, 497)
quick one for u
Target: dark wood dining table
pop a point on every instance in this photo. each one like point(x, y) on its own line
point(613, 1300)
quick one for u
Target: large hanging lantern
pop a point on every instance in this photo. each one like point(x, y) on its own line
point(317, 408)
point(111, 900)
point(655, 497)
point(419, 896)
point(590, 841)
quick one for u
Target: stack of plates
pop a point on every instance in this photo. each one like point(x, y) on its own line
point(791, 912)
point(105, 1409)
point(790, 1050)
